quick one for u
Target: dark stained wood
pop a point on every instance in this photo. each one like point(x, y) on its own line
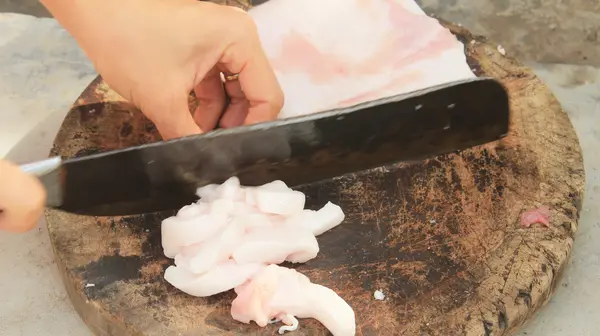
point(440, 237)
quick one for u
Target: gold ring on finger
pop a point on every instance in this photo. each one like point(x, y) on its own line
point(231, 77)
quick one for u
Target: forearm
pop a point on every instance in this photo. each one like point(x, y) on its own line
point(98, 23)
point(71, 13)
point(85, 19)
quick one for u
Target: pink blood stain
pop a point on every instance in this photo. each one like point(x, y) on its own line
point(402, 46)
point(376, 93)
point(540, 215)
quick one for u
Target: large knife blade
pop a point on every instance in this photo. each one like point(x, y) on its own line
point(165, 175)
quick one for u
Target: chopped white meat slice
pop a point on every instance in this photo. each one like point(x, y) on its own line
point(187, 253)
point(276, 292)
point(275, 198)
point(200, 258)
point(276, 185)
point(221, 278)
point(177, 233)
point(279, 202)
point(207, 193)
point(257, 220)
point(276, 219)
point(326, 218)
point(250, 196)
point(192, 210)
point(231, 190)
point(274, 245)
point(303, 218)
point(223, 206)
point(242, 208)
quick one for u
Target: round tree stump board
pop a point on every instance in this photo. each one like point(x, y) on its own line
point(441, 238)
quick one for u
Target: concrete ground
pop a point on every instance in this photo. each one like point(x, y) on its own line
point(559, 39)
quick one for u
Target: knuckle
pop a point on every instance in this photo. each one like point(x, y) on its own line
point(241, 36)
point(277, 102)
point(244, 22)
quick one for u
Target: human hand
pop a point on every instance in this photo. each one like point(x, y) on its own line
point(155, 52)
point(22, 199)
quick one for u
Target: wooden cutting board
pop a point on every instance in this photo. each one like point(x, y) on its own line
point(441, 238)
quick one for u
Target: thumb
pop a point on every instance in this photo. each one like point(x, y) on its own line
point(22, 199)
point(172, 117)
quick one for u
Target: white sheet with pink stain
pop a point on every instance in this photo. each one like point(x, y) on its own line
point(338, 53)
point(326, 54)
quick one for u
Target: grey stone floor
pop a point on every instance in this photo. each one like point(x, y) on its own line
point(31, 7)
point(546, 31)
point(559, 39)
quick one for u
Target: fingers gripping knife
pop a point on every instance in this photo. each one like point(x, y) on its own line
point(165, 175)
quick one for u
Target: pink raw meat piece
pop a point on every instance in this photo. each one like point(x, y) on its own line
point(280, 292)
point(540, 215)
point(338, 53)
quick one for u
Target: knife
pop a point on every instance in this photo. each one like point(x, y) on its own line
point(165, 175)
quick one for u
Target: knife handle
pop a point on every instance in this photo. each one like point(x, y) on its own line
point(48, 172)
